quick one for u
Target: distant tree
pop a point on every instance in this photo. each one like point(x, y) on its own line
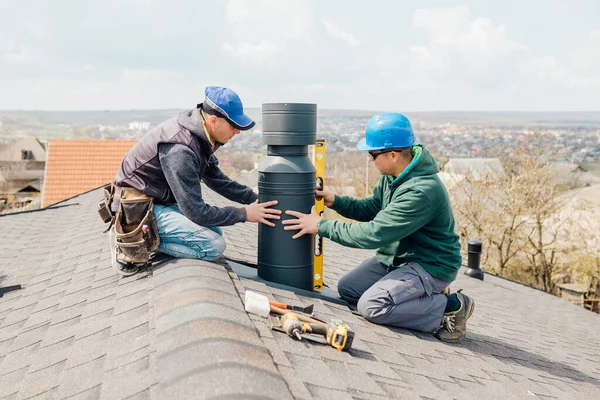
point(542, 205)
point(242, 160)
point(581, 238)
point(236, 160)
point(489, 210)
point(351, 170)
point(528, 233)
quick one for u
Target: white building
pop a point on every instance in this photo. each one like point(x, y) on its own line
point(139, 126)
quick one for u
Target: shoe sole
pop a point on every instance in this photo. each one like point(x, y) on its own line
point(125, 273)
point(469, 313)
point(115, 265)
point(471, 304)
point(471, 309)
point(113, 258)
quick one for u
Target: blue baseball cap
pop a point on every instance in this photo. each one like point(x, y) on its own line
point(228, 105)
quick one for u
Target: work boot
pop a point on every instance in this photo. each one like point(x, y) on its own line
point(121, 268)
point(454, 324)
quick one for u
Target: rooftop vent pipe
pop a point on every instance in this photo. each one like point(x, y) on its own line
point(474, 259)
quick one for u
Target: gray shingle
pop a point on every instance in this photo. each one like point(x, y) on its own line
point(279, 357)
point(201, 330)
point(319, 392)
point(209, 354)
point(298, 389)
point(11, 381)
point(228, 381)
point(204, 310)
point(356, 379)
point(42, 381)
point(316, 372)
point(130, 381)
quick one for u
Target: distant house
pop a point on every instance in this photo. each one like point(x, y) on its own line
point(480, 168)
point(28, 149)
point(586, 296)
point(77, 166)
point(22, 165)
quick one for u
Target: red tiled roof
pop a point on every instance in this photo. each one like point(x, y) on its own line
point(76, 166)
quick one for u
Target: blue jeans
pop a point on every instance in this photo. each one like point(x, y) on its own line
point(182, 238)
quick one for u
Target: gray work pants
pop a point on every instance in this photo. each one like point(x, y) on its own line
point(407, 297)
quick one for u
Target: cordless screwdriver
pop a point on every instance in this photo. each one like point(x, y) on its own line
point(336, 333)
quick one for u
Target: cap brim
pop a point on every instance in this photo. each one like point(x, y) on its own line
point(363, 146)
point(241, 122)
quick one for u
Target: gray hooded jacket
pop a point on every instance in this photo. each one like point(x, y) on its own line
point(168, 164)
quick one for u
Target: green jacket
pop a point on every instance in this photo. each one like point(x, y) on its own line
point(408, 219)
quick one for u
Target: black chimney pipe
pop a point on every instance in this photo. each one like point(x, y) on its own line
point(288, 176)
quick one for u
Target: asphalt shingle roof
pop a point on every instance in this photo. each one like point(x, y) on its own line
point(179, 330)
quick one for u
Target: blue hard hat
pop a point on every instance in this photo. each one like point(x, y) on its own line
point(387, 131)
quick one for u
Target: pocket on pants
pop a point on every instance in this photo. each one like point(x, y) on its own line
point(404, 289)
point(425, 278)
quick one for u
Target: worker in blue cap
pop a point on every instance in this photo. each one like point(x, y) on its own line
point(409, 220)
point(166, 166)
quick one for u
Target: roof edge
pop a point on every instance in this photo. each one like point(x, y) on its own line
point(55, 205)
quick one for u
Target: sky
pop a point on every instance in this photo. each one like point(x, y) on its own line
point(511, 55)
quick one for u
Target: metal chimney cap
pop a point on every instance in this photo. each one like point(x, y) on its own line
point(290, 107)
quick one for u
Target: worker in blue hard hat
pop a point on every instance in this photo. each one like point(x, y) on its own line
point(409, 220)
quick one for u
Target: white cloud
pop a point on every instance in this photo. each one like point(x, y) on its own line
point(337, 32)
point(588, 56)
point(482, 49)
point(261, 29)
point(252, 19)
point(9, 48)
point(422, 59)
point(579, 69)
point(586, 61)
point(456, 36)
point(260, 53)
point(463, 59)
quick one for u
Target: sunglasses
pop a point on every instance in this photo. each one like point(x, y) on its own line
point(374, 154)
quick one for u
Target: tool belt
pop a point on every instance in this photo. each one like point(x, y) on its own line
point(135, 226)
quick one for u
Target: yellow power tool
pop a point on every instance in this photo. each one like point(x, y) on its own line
point(336, 333)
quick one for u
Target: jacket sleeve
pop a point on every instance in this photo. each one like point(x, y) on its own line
point(225, 186)
point(399, 219)
point(360, 210)
point(182, 171)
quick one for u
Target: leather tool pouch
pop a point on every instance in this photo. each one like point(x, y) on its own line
point(135, 227)
point(104, 210)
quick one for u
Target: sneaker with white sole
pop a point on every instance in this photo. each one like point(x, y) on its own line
point(454, 324)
